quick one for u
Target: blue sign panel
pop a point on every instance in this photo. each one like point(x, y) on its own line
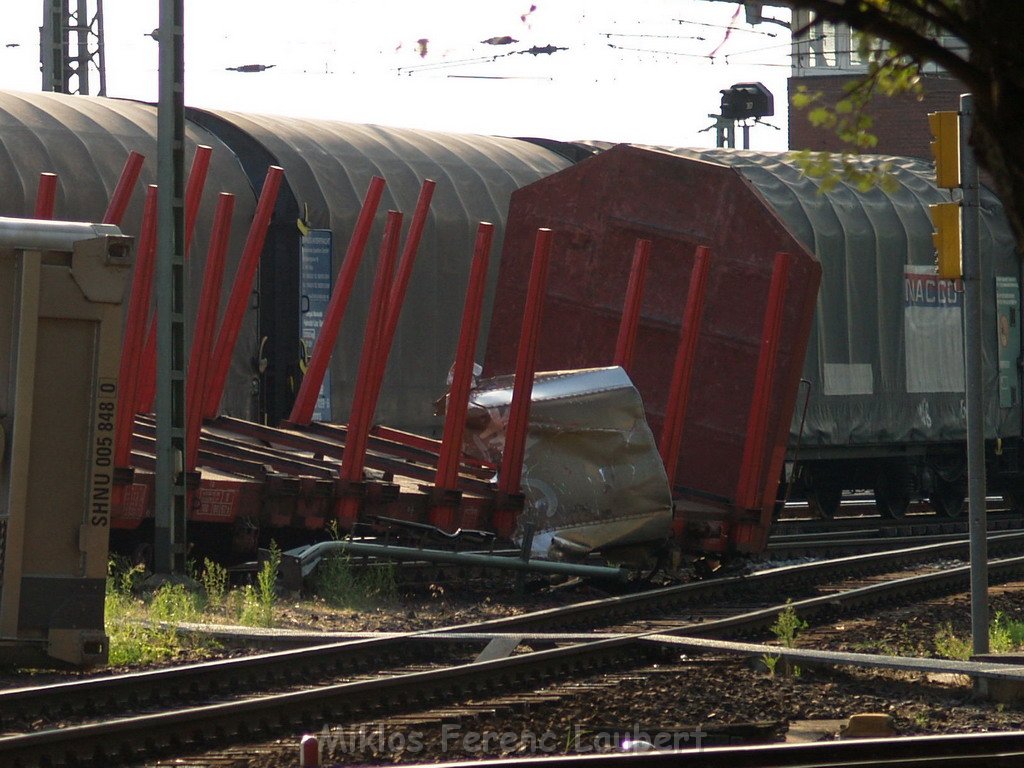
point(315, 277)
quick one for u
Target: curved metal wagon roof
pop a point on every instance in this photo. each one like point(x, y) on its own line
point(85, 141)
point(328, 166)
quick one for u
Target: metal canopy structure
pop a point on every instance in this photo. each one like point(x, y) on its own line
point(71, 42)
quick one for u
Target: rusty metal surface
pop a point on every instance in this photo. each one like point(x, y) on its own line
point(592, 476)
point(598, 209)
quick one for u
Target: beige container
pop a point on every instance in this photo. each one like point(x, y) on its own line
point(61, 287)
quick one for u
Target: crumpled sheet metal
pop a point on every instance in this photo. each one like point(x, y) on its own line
point(592, 475)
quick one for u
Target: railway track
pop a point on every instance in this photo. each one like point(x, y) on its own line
point(796, 537)
point(981, 750)
point(674, 605)
point(215, 702)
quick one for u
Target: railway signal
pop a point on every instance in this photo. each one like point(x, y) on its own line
point(945, 146)
point(946, 218)
point(946, 221)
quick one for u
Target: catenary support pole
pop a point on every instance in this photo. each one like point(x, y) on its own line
point(170, 546)
point(974, 382)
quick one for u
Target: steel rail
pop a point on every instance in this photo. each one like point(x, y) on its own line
point(101, 743)
point(359, 656)
point(991, 750)
point(186, 728)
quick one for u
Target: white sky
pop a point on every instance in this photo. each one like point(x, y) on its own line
point(638, 71)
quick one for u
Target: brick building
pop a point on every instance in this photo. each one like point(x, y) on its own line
point(824, 59)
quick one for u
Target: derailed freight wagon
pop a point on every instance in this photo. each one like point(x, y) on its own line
point(885, 409)
point(880, 401)
point(747, 361)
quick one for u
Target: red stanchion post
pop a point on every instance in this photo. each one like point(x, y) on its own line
point(748, 494)
point(309, 751)
point(309, 390)
point(462, 378)
point(367, 383)
point(682, 370)
point(46, 197)
point(626, 341)
point(194, 191)
point(135, 331)
point(123, 191)
point(241, 289)
point(400, 283)
point(193, 195)
point(511, 470)
point(206, 322)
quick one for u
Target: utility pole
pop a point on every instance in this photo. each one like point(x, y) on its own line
point(70, 43)
point(958, 255)
point(973, 340)
point(170, 543)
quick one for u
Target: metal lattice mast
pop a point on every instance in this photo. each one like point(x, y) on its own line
point(170, 542)
point(71, 44)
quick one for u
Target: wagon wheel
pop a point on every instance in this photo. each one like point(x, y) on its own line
point(892, 497)
point(947, 499)
point(824, 499)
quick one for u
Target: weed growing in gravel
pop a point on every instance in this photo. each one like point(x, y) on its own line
point(215, 582)
point(132, 639)
point(1005, 635)
point(344, 585)
point(257, 603)
point(174, 603)
point(786, 627)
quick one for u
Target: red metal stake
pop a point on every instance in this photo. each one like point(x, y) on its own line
point(206, 323)
point(748, 493)
point(123, 191)
point(511, 471)
point(241, 290)
point(441, 514)
point(46, 197)
point(193, 195)
point(630, 322)
point(309, 390)
point(682, 371)
point(360, 417)
point(401, 282)
point(134, 331)
point(367, 383)
point(194, 191)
